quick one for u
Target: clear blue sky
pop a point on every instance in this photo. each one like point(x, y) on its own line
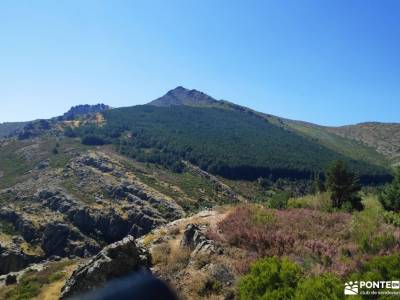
point(328, 62)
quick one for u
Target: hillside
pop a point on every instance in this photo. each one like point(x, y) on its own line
point(383, 137)
point(9, 128)
point(73, 185)
point(333, 138)
point(257, 148)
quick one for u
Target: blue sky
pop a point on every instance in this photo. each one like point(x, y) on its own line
point(327, 62)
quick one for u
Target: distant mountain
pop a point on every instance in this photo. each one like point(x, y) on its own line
point(182, 96)
point(85, 109)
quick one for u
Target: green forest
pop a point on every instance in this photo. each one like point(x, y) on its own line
point(202, 136)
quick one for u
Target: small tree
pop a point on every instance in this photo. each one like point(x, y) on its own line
point(390, 196)
point(343, 186)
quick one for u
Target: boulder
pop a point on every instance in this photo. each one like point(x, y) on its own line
point(196, 240)
point(114, 261)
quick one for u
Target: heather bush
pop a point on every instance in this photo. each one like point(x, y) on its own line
point(298, 233)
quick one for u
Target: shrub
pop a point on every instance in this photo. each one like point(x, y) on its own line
point(392, 218)
point(324, 287)
point(270, 278)
point(390, 196)
point(365, 228)
point(273, 278)
point(279, 200)
point(320, 201)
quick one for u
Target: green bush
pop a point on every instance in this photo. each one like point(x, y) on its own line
point(392, 218)
point(270, 278)
point(319, 201)
point(324, 287)
point(279, 200)
point(365, 224)
point(274, 278)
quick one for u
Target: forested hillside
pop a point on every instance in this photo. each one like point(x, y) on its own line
point(233, 144)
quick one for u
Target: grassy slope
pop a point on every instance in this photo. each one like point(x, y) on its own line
point(345, 146)
point(17, 158)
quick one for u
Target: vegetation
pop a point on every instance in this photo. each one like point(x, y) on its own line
point(31, 283)
point(343, 187)
point(270, 278)
point(320, 201)
point(390, 196)
point(331, 241)
point(274, 278)
point(257, 148)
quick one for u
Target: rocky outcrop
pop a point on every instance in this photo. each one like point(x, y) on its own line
point(97, 162)
point(13, 259)
point(196, 240)
point(81, 110)
point(114, 261)
point(61, 240)
point(23, 226)
point(164, 209)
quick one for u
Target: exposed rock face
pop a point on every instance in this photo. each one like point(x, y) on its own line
point(59, 239)
point(25, 227)
point(14, 260)
point(97, 162)
point(195, 239)
point(114, 261)
point(85, 109)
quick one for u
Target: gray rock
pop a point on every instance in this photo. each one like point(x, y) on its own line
point(12, 260)
point(196, 240)
point(116, 260)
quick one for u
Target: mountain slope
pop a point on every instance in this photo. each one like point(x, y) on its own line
point(9, 128)
point(328, 137)
point(230, 143)
point(384, 137)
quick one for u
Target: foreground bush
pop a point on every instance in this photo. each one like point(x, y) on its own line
point(270, 278)
point(273, 278)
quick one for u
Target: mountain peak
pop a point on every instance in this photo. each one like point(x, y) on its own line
point(183, 96)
